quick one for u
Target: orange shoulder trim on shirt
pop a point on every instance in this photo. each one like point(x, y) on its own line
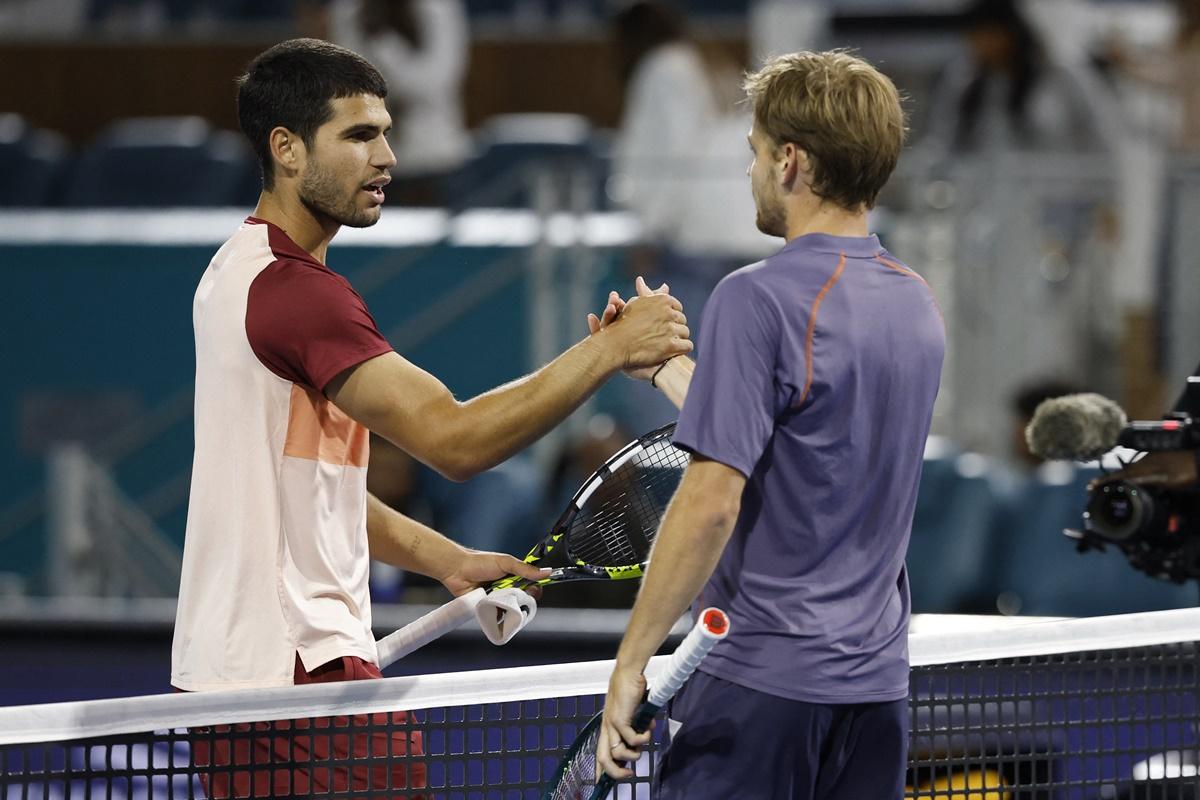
point(320, 431)
point(910, 273)
point(812, 328)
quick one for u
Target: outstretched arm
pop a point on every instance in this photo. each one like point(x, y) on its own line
point(673, 377)
point(406, 543)
point(416, 412)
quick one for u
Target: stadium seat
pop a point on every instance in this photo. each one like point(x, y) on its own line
point(952, 530)
point(516, 152)
point(31, 163)
point(161, 161)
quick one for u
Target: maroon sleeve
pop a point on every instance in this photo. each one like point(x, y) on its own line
point(306, 324)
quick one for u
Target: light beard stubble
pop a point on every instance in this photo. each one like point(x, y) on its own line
point(770, 217)
point(321, 194)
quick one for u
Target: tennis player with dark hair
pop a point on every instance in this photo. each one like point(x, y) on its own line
point(291, 372)
point(806, 415)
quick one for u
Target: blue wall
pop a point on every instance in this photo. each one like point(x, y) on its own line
point(117, 318)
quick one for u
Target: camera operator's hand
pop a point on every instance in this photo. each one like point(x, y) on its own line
point(1171, 469)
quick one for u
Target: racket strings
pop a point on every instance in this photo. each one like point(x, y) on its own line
point(579, 775)
point(618, 524)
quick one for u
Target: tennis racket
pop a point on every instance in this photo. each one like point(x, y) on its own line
point(605, 533)
point(577, 777)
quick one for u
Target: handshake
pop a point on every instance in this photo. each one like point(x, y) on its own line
point(643, 332)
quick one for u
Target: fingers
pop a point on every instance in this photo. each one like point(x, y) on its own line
point(631, 739)
point(644, 290)
point(610, 313)
point(514, 566)
point(612, 753)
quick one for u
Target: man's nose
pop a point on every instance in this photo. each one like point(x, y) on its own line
point(383, 157)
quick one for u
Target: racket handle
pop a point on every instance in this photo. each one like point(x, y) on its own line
point(644, 716)
point(710, 628)
point(422, 631)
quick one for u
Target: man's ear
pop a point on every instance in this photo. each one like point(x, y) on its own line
point(794, 164)
point(287, 150)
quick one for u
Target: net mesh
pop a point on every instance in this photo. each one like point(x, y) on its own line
point(1110, 724)
point(1104, 709)
point(578, 774)
point(617, 524)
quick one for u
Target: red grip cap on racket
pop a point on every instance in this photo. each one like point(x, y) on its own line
point(716, 623)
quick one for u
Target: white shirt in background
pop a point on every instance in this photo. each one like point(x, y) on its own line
point(428, 134)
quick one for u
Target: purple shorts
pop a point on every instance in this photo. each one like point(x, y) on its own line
point(737, 742)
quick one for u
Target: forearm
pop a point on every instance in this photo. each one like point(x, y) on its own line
point(490, 428)
point(689, 545)
point(674, 379)
point(403, 542)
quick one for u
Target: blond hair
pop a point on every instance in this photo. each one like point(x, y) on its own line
point(840, 110)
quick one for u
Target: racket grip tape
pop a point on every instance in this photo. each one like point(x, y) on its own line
point(711, 627)
point(644, 716)
point(422, 631)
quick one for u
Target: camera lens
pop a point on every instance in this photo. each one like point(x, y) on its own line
point(1117, 511)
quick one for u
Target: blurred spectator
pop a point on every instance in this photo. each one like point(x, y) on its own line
point(669, 103)
point(679, 164)
point(1004, 93)
point(496, 510)
point(579, 458)
point(1173, 70)
point(422, 49)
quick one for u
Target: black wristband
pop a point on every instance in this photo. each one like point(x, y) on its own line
point(655, 375)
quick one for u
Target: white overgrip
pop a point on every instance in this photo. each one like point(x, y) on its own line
point(422, 631)
point(710, 628)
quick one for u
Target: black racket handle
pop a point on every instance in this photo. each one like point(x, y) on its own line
point(644, 716)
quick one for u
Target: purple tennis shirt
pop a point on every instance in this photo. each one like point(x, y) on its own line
point(816, 378)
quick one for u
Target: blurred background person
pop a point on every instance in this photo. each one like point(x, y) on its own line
point(678, 164)
point(1003, 93)
point(669, 101)
point(422, 48)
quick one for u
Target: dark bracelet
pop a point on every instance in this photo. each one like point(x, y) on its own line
point(655, 375)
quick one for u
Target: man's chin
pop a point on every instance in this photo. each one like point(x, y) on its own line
point(769, 227)
point(363, 219)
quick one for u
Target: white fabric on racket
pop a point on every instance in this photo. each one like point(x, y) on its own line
point(684, 660)
point(504, 612)
point(435, 624)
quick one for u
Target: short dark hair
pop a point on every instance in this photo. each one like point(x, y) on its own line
point(291, 85)
point(1028, 396)
point(640, 28)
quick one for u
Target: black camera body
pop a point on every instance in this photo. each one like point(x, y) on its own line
point(1157, 529)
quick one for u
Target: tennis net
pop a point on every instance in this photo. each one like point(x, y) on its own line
point(1071, 710)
